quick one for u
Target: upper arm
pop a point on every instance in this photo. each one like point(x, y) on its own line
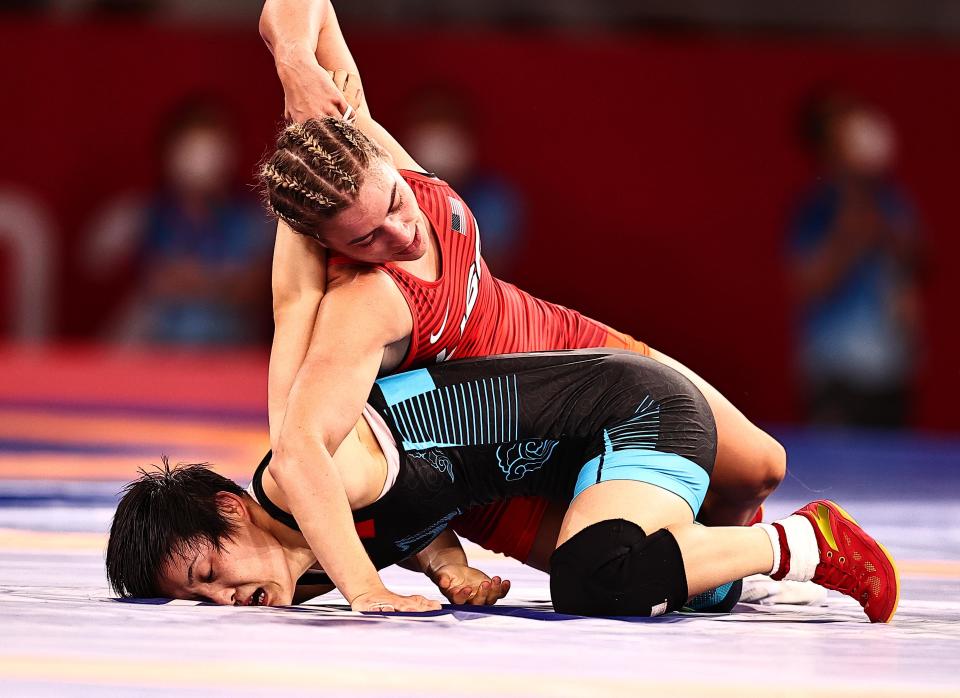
point(299, 267)
point(356, 321)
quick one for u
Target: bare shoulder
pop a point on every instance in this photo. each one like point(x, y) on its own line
point(368, 295)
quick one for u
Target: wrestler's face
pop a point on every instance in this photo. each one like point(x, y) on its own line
point(249, 570)
point(383, 224)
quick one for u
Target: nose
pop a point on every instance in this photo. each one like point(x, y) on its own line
point(223, 596)
point(394, 227)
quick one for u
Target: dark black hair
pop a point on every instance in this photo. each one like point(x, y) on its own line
point(167, 511)
point(820, 109)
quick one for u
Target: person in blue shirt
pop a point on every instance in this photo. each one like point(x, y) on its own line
point(204, 256)
point(854, 255)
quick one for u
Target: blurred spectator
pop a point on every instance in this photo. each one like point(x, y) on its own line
point(442, 137)
point(854, 256)
point(203, 258)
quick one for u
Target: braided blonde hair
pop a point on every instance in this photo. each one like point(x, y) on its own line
point(316, 171)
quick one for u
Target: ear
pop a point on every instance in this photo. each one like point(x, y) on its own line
point(232, 506)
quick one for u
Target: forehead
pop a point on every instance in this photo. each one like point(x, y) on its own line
point(175, 571)
point(370, 207)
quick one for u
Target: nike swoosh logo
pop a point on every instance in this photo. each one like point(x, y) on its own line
point(435, 337)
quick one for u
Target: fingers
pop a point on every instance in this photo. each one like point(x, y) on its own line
point(486, 593)
point(415, 603)
point(340, 78)
point(462, 595)
point(387, 602)
point(350, 89)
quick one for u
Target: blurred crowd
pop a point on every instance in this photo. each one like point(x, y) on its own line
point(198, 247)
point(856, 258)
point(194, 250)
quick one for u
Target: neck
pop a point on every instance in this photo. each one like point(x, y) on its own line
point(296, 551)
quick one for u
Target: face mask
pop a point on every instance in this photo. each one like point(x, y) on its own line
point(867, 143)
point(442, 148)
point(200, 161)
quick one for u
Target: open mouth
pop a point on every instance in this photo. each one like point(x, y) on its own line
point(259, 598)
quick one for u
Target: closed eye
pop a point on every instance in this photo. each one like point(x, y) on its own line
point(396, 201)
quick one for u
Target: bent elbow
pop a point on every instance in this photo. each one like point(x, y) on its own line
point(292, 451)
point(265, 25)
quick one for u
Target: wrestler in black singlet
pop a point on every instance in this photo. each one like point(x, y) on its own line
point(474, 431)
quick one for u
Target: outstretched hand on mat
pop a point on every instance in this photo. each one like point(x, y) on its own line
point(385, 601)
point(462, 584)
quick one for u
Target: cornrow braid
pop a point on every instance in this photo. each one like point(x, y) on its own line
point(316, 171)
point(351, 135)
point(344, 181)
point(280, 180)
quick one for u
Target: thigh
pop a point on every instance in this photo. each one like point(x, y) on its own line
point(649, 506)
point(746, 454)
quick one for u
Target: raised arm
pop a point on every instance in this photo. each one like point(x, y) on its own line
point(298, 281)
point(304, 35)
point(354, 325)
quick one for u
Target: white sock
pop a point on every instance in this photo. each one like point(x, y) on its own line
point(774, 543)
point(802, 554)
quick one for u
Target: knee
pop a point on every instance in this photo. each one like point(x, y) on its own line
point(773, 467)
point(613, 568)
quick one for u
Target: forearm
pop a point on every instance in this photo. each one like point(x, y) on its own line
point(293, 327)
point(302, 36)
point(299, 284)
point(444, 550)
point(333, 53)
point(308, 478)
point(291, 28)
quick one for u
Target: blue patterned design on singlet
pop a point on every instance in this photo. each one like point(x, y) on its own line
point(640, 431)
point(428, 534)
point(437, 460)
point(484, 411)
point(403, 386)
point(518, 459)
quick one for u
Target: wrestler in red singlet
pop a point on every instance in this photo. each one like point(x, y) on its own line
point(466, 313)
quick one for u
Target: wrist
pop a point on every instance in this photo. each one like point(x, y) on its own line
point(292, 58)
point(434, 570)
point(365, 590)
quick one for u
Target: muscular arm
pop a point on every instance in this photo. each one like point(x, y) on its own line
point(354, 324)
point(299, 281)
point(304, 35)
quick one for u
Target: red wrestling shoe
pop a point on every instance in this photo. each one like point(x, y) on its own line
point(852, 562)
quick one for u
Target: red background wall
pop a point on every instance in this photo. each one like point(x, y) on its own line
point(659, 172)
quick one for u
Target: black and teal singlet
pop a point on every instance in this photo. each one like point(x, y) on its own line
point(551, 424)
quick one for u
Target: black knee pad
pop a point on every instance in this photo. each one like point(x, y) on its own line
point(613, 568)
